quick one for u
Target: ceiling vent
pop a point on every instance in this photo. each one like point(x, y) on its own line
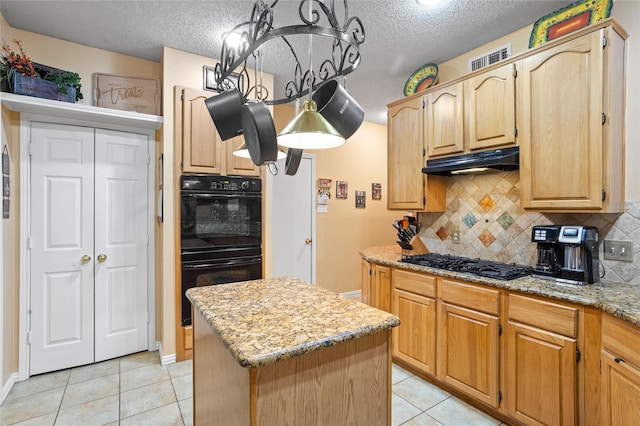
point(492, 57)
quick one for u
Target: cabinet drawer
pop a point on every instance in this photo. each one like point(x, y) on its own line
point(621, 338)
point(414, 282)
point(468, 295)
point(548, 316)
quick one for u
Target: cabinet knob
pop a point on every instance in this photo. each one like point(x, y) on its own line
point(102, 258)
point(85, 259)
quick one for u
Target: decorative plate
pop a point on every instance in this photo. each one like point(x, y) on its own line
point(423, 78)
point(568, 19)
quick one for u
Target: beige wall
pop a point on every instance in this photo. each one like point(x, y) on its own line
point(627, 14)
point(344, 230)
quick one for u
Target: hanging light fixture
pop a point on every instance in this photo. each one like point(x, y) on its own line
point(310, 129)
point(243, 152)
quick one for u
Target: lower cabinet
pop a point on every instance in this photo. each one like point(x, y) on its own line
point(376, 285)
point(620, 361)
point(413, 301)
point(468, 339)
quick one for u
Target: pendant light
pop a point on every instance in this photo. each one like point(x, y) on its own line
point(309, 129)
point(243, 152)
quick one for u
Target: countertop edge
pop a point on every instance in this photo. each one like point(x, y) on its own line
point(591, 294)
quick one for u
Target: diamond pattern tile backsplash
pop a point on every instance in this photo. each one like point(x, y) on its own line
point(485, 210)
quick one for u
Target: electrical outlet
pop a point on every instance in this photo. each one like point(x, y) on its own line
point(455, 236)
point(618, 250)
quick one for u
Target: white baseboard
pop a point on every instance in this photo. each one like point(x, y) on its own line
point(165, 359)
point(6, 388)
point(356, 294)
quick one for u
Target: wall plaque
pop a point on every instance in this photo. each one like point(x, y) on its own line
point(127, 93)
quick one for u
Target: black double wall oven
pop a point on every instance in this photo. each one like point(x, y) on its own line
point(220, 232)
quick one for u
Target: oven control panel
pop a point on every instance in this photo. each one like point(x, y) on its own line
point(219, 183)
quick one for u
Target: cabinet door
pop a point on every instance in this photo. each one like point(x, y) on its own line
point(381, 288)
point(491, 101)
point(444, 120)
point(620, 391)
point(414, 341)
point(469, 350)
point(406, 156)
point(201, 143)
point(541, 376)
point(366, 282)
point(238, 166)
point(560, 126)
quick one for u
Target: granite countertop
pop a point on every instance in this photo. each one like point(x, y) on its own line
point(618, 299)
point(265, 321)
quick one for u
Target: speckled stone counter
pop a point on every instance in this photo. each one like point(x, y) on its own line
point(618, 299)
point(282, 351)
point(265, 321)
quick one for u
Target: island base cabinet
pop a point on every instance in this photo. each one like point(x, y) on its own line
point(348, 383)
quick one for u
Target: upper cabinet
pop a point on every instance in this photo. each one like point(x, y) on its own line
point(491, 108)
point(571, 118)
point(202, 149)
point(444, 116)
point(409, 188)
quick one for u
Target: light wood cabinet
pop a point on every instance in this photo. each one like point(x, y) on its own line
point(202, 149)
point(468, 331)
point(570, 115)
point(413, 301)
point(620, 361)
point(409, 188)
point(491, 108)
point(541, 362)
point(367, 275)
point(376, 286)
point(444, 120)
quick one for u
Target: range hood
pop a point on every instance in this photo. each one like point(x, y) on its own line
point(498, 159)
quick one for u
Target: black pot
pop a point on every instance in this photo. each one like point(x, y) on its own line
point(259, 133)
point(294, 155)
point(225, 113)
point(339, 108)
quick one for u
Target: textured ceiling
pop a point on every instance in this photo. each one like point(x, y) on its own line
point(400, 35)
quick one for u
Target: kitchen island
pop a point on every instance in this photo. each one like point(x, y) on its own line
point(282, 351)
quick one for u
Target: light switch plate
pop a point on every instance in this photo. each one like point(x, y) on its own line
point(618, 250)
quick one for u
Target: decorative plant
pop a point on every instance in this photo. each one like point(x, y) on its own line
point(12, 62)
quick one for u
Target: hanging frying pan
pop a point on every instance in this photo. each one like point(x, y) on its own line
point(339, 108)
point(294, 155)
point(259, 133)
point(225, 113)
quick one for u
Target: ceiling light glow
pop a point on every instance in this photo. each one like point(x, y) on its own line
point(428, 3)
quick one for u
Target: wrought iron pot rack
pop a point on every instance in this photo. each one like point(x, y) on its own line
point(347, 33)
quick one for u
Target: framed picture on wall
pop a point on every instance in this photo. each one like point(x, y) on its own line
point(342, 189)
point(376, 191)
point(360, 199)
point(209, 79)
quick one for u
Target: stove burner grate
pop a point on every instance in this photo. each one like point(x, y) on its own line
point(483, 268)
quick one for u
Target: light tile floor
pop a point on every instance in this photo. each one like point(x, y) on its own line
point(137, 390)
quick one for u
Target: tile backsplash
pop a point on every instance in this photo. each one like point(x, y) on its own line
point(485, 210)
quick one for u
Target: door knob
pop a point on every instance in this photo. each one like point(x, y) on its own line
point(102, 258)
point(307, 241)
point(85, 259)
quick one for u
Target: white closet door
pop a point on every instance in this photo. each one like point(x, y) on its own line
point(121, 313)
point(61, 205)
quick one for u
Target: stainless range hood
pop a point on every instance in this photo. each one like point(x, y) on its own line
point(497, 159)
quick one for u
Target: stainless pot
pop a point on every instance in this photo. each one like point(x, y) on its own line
point(225, 113)
point(339, 108)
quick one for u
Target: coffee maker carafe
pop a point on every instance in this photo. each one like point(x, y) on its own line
point(567, 253)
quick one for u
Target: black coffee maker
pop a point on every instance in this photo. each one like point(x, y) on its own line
point(567, 253)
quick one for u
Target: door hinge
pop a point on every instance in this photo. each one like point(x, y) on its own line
point(604, 195)
point(424, 152)
point(148, 239)
point(499, 330)
point(423, 104)
point(577, 356)
point(604, 118)
point(28, 243)
point(148, 318)
point(499, 397)
point(424, 201)
point(29, 148)
point(182, 95)
point(148, 158)
point(29, 338)
point(370, 271)
point(515, 71)
point(515, 132)
point(604, 42)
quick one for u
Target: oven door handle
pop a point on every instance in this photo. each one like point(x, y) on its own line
point(222, 263)
point(247, 195)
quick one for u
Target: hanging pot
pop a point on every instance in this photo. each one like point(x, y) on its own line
point(294, 155)
point(259, 133)
point(225, 113)
point(339, 108)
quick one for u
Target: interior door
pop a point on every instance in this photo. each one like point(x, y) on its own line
point(293, 203)
point(61, 240)
point(121, 319)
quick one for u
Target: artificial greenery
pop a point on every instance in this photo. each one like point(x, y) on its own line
point(64, 80)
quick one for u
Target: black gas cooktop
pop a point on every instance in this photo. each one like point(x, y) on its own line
point(483, 268)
